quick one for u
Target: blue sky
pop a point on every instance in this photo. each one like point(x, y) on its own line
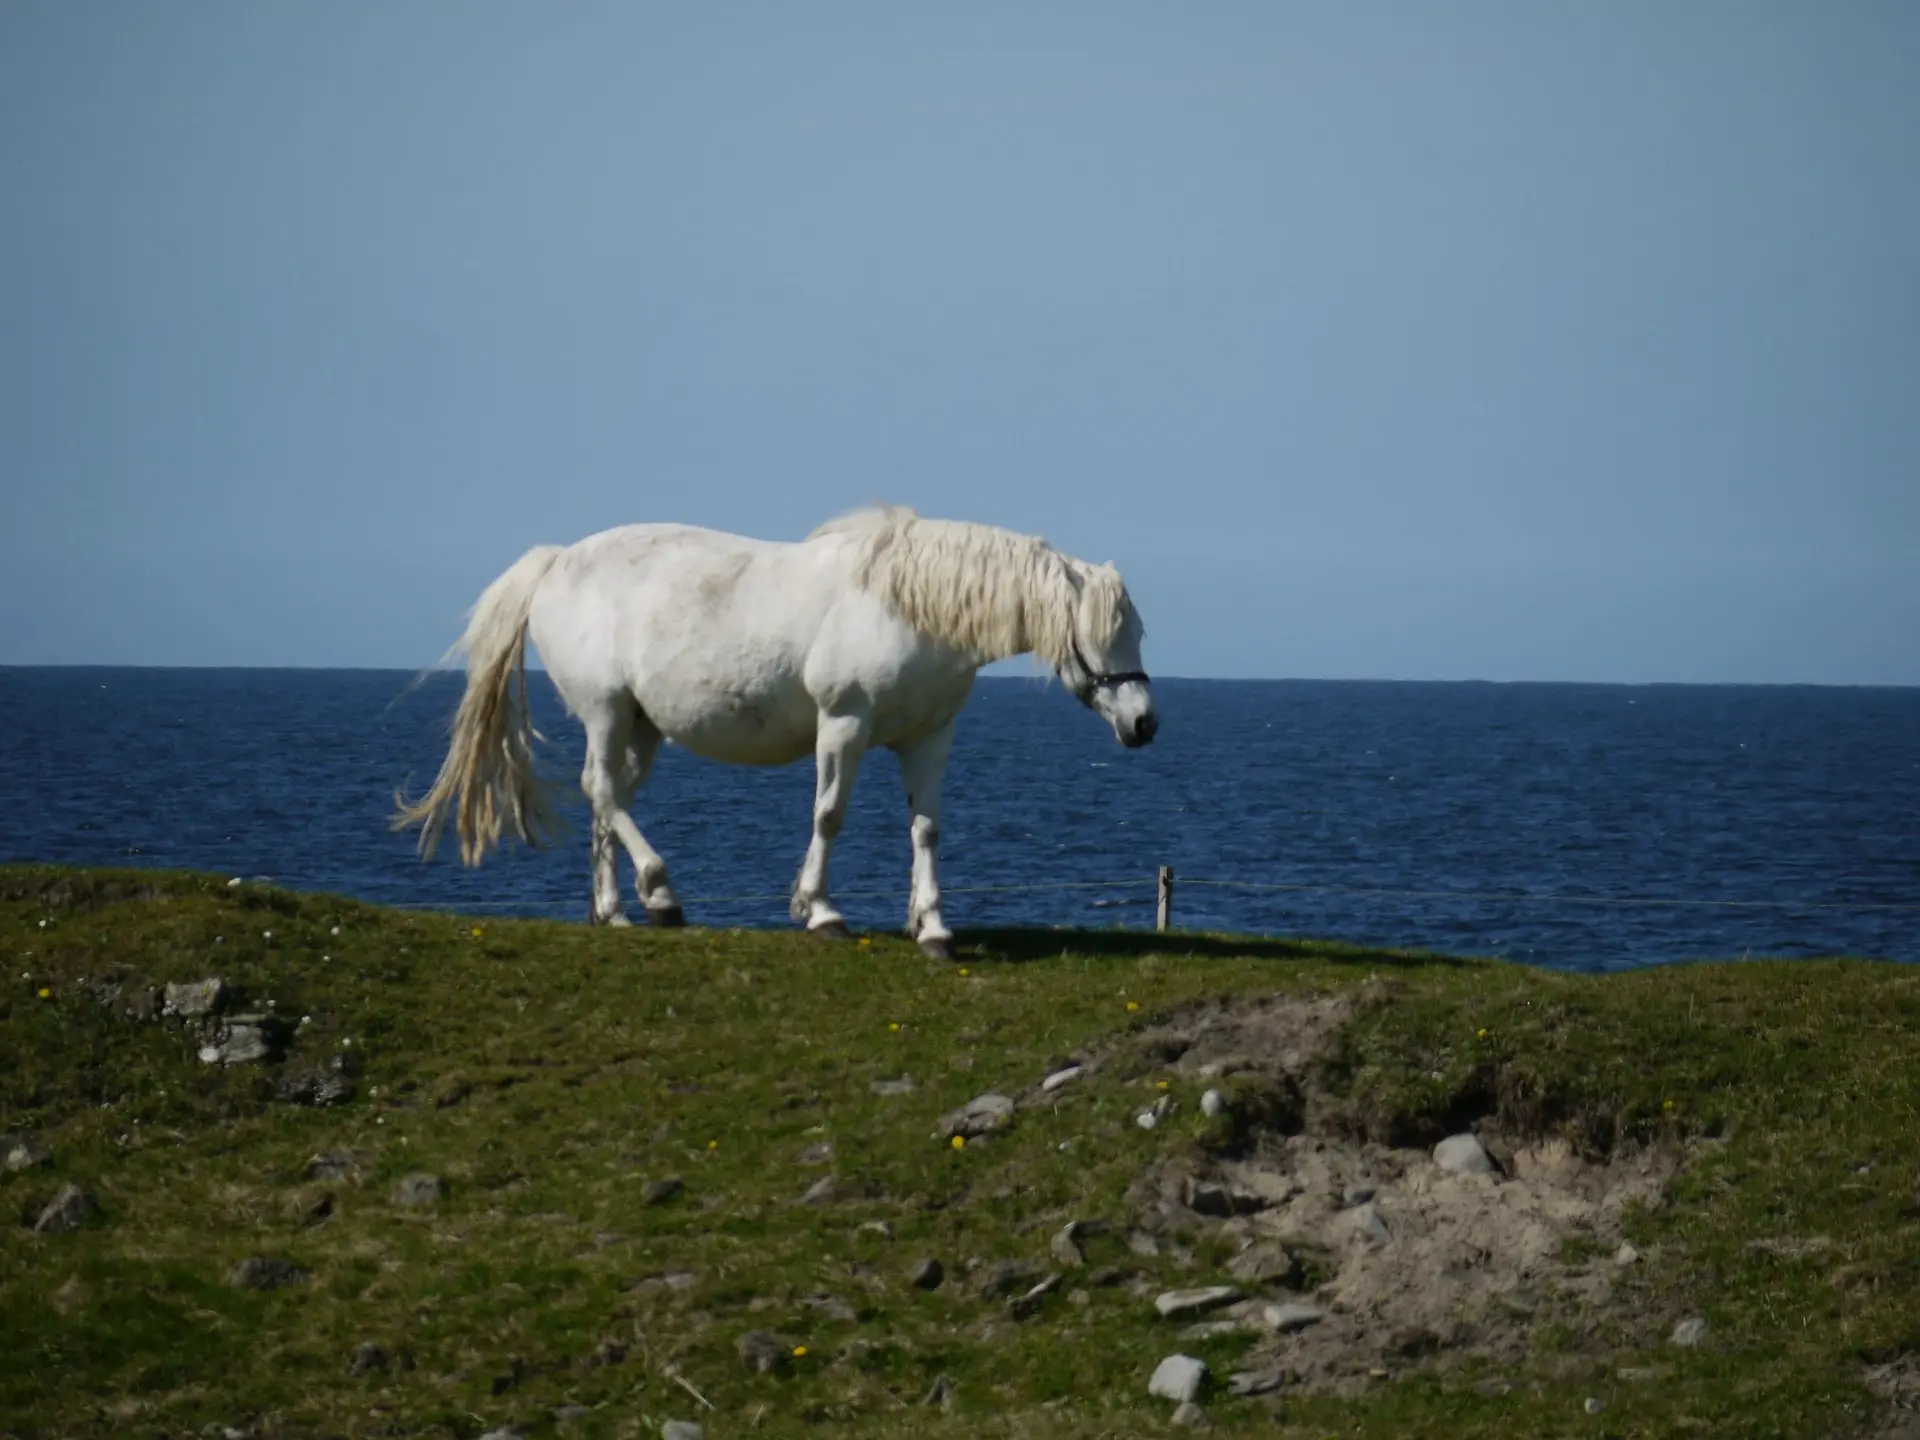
point(1477, 340)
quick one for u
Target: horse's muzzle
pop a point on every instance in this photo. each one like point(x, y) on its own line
point(1140, 732)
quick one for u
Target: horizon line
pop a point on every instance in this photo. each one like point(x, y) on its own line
point(1046, 677)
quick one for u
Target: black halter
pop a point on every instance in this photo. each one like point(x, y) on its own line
point(1100, 679)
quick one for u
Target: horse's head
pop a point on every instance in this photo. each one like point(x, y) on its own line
point(1102, 665)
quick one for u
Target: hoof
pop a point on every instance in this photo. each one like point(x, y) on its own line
point(618, 918)
point(667, 917)
point(937, 947)
point(832, 930)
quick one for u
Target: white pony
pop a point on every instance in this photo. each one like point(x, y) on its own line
point(868, 632)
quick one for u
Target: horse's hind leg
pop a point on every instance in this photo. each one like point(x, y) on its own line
point(649, 870)
point(621, 743)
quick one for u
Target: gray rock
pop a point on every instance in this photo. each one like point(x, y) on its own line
point(420, 1189)
point(1255, 1382)
point(1285, 1319)
point(331, 1084)
point(244, 1040)
point(979, 1116)
point(821, 1192)
point(1021, 1306)
point(940, 1394)
point(1009, 1276)
point(565, 1415)
point(1265, 1262)
point(1213, 1103)
point(1594, 1405)
point(819, 1153)
point(658, 1192)
point(1205, 1197)
point(263, 1272)
point(1179, 1378)
point(1065, 1246)
point(1211, 1330)
point(194, 998)
point(1355, 1195)
point(1061, 1077)
point(682, 1430)
point(1364, 1222)
point(762, 1353)
point(68, 1210)
point(1689, 1333)
point(927, 1274)
point(505, 1432)
point(332, 1167)
point(22, 1152)
point(1626, 1255)
point(1193, 1302)
point(1463, 1154)
point(1143, 1244)
point(902, 1086)
point(1190, 1415)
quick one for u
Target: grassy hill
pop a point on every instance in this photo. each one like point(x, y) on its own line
point(586, 1182)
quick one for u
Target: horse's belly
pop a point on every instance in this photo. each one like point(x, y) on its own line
point(737, 729)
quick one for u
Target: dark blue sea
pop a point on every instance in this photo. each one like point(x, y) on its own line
point(1579, 827)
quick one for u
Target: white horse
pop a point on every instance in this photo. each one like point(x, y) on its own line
point(868, 632)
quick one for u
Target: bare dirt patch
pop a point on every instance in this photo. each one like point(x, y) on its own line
point(1387, 1257)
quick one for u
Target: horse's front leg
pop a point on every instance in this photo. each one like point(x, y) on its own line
point(836, 753)
point(921, 766)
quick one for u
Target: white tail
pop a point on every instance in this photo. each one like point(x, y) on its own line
point(488, 778)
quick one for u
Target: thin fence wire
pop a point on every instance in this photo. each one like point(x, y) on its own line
point(1269, 887)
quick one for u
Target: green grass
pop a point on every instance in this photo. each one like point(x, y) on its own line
point(548, 1071)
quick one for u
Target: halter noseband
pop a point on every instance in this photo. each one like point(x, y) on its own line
point(1100, 679)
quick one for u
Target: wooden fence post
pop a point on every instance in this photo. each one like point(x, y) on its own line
point(1164, 916)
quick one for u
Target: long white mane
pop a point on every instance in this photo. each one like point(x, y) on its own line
point(988, 592)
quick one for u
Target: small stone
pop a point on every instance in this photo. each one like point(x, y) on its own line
point(682, 1430)
point(331, 1167)
point(1192, 1302)
point(1065, 1246)
point(419, 1189)
point(368, 1358)
point(821, 1192)
point(262, 1272)
point(762, 1353)
point(1355, 1195)
point(1292, 1316)
point(1265, 1262)
point(1626, 1255)
point(1178, 1378)
point(941, 1393)
point(1594, 1405)
point(1143, 1244)
point(1009, 1276)
point(658, 1192)
point(1211, 1330)
point(193, 998)
point(22, 1152)
point(1021, 1306)
point(1213, 1103)
point(1689, 1333)
point(505, 1432)
point(819, 1153)
point(68, 1210)
point(927, 1274)
point(1146, 1119)
point(1255, 1382)
point(1060, 1077)
point(902, 1086)
point(1636, 1374)
point(874, 1227)
point(1463, 1155)
point(1364, 1222)
point(565, 1415)
point(979, 1116)
point(1190, 1415)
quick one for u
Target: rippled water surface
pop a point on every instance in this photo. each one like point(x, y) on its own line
point(1430, 815)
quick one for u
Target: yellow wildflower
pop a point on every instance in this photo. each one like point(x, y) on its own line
point(45, 994)
point(1133, 1004)
point(959, 1142)
point(798, 1351)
